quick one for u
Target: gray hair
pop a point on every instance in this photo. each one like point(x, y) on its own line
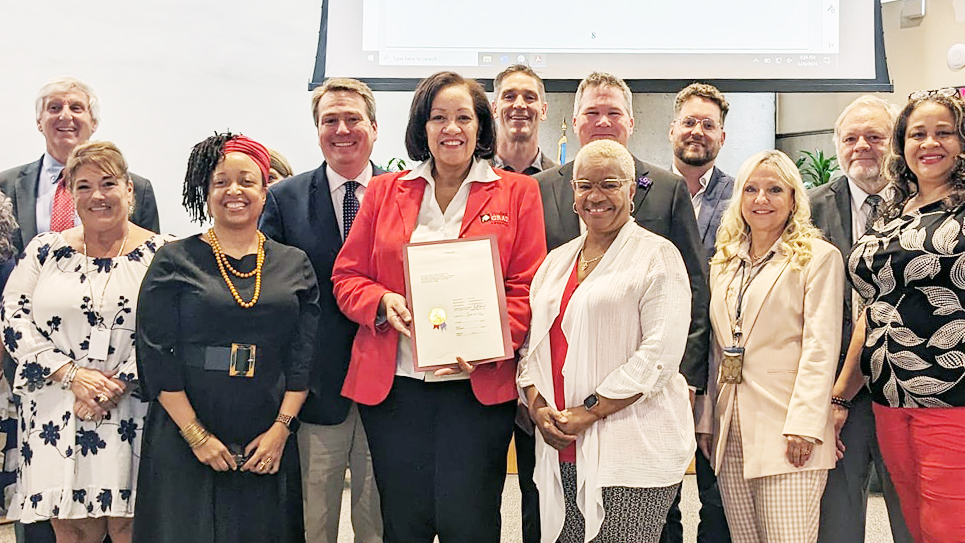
point(603, 79)
point(64, 84)
point(869, 101)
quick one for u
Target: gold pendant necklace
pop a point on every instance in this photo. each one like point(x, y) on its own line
point(584, 264)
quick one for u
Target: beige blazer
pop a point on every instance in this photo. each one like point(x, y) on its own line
point(792, 324)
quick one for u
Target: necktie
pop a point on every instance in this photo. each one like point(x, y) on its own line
point(350, 206)
point(62, 210)
point(873, 201)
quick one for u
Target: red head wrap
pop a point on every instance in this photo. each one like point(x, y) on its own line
point(250, 147)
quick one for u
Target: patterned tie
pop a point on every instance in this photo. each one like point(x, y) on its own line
point(62, 210)
point(350, 206)
point(874, 202)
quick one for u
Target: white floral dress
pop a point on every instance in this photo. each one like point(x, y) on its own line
point(70, 468)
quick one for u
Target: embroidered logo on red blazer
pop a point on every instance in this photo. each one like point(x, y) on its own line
point(498, 218)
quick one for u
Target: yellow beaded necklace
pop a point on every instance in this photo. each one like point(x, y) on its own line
point(224, 266)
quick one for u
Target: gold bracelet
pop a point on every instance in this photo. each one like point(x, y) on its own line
point(195, 434)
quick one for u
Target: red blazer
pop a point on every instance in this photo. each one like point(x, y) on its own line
point(370, 264)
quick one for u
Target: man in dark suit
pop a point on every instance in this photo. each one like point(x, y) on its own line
point(843, 210)
point(519, 106)
point(314, 212)
point(68, 113)
point(603, 110)
point(697, 134)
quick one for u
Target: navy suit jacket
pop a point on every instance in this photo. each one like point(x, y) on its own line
point(20, 185)
point(831, 214)
point(714, 201)
point(299, 212)
point(662, 206)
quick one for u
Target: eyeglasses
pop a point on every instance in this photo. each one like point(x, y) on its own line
point(582, 186)
point(947, 92)
point(709, 125)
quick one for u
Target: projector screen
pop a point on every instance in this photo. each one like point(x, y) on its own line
point(741, 45)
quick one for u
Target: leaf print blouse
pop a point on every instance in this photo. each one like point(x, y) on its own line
point(910, 271)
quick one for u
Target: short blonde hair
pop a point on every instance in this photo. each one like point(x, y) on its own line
point(103, 155)
point(280, 164)
point(798, 232)
point(607, 149)
point(344, 84)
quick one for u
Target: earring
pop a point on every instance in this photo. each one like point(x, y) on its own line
point(574, 208)
point(632, 207)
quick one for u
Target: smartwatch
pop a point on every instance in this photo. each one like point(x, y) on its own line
point(591, 401)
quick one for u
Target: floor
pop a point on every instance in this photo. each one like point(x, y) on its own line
point(877, 531)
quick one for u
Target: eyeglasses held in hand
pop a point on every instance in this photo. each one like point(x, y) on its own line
point(709, 125)
point(582, 186)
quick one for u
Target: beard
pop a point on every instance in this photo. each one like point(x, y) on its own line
point(694, 158)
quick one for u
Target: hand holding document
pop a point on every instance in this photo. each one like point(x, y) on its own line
point(457, 300)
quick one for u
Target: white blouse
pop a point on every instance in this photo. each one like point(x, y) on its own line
point(631, 317)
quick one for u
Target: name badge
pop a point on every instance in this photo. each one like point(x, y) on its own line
point(732, 365)
point(99, 344)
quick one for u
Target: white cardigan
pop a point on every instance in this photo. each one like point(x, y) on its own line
point(631, 317)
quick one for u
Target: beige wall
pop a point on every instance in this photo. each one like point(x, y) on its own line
point(916, 60)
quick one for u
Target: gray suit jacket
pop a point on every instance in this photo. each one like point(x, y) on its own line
point(662, 206)
point(831, 213)
point(20, 185)
point(713, 203)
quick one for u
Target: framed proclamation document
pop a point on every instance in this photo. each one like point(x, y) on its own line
point(455, 292)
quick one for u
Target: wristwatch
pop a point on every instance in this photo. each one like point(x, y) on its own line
point(591, 401)
point(290, 422)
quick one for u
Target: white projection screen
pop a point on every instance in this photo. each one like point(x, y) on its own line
point(657, 46)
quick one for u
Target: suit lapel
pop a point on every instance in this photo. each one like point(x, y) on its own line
point(708, 207)
point(27, 200)
point(323, 209)
point(757, 296)
point(842, 203)
point(409, 199)
point(569, 221)
point(479, 196)
point(643, 185)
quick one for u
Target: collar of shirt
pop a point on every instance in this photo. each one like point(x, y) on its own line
point(335, 180)
point(704, 179)
point(51, 169)
point(537, 163)
point(479, 172)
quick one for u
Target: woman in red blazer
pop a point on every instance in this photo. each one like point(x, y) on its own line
point(438, 440)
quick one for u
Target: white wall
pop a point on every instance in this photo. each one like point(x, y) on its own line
point(171, 73)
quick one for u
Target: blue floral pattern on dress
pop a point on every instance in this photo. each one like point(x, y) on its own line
point(68, 467)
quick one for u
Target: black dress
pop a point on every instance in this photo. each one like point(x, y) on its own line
point(185, 307)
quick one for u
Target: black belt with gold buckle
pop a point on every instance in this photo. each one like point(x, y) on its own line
point(238, 360)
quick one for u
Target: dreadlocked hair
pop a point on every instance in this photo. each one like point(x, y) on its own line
point(201, 164)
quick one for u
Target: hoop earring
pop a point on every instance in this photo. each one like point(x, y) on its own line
point(632, 207)
point(574, 208)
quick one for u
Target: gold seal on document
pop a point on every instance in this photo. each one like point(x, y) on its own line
point(437, 317)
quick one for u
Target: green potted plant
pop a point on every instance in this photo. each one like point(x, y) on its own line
point(815, 168)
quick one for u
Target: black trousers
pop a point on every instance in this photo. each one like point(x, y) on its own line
point(439, 458)
point(713, 524)
point(526, 464)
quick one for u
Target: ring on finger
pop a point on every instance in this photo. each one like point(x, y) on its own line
point(101, 398)
point(89, 416)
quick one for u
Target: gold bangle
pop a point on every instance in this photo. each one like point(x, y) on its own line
point(195, 434)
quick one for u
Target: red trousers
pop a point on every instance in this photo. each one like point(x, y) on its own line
point(924, 449)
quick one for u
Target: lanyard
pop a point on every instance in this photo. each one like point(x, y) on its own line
point(744, 287)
